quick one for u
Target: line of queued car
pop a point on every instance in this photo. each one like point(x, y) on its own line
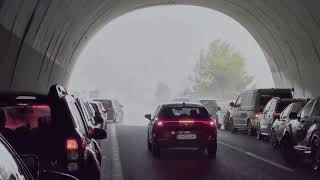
point(54, 136)
point(292, 125)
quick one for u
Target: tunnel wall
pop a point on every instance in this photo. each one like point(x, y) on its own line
point(40, 40)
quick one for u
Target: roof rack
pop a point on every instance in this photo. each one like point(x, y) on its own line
point(57, 91)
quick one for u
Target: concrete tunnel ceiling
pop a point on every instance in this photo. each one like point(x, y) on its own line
point(41, 39)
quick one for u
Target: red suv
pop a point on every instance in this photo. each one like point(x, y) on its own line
point(186, 125)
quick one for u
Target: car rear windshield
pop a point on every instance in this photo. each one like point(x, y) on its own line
point(180, 112)
point(106, 103)
point(26, 125)
point(266, 96)
point(282, 105)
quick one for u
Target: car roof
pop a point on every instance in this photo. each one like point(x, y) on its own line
point(18, 97)
point(268, 90)
point(196, 104)
point(291, 99)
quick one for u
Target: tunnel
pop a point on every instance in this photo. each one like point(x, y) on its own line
point(40, 40)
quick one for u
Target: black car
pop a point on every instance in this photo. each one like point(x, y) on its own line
point(280, 124)
point(270, 113)
point(91, 123)
point(302, 135)
point(25, 167)
point(52, 128)
point(186, 125)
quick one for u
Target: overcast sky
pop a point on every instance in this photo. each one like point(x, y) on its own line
point(130, 55)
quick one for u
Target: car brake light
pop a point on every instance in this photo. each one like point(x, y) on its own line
point(277, 115)
point(72, 145)
point(212, 123)
point(257, 115)
point(159, 123)
point(186, 121)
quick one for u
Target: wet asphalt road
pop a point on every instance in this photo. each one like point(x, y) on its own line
point(125, 157)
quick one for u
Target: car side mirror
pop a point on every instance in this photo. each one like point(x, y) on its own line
point(231, 104)
point(148, 116)
point(32, 163)
point(293, 115)
point(98, 133)
point(52, 175)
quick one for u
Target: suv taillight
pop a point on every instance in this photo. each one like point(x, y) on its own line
point(72, 145)
point(159, 123)
point(277, 115)
point(73, 155)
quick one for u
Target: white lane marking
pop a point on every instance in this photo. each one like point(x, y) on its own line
point(116, 172)
point(257, 157)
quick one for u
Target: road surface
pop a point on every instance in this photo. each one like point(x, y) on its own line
point(125, 157)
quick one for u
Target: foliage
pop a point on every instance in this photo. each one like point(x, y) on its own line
point(220, 71)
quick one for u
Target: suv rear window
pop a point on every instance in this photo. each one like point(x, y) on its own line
point(106, 103)
point(27, 127)
point(266, 96)
point(282, 105)
point(27, 117)
point(181, 112)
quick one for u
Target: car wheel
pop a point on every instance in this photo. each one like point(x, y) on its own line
point(286, 150)
point(250, 130)
point(316, 156)
point(155, 149)
point(273, 141)
point(212, 151)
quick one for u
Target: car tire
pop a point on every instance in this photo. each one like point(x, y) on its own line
point(155, 149)
point(212, 151)
point(273, 141)
point(316, 156)
point(286, 149)
point(250, 130)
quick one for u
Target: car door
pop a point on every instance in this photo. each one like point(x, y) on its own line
point(299, 124)
point(271, 113)
point(279, 124)
point(10, 166)
point(236, 113)
point(264, 119)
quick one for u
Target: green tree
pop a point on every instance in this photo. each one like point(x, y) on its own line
point(220, 71)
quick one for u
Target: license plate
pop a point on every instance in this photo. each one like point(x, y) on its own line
point(186, 136)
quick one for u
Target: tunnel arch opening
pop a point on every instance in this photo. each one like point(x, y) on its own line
point(124, 40)
point(42, 39)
